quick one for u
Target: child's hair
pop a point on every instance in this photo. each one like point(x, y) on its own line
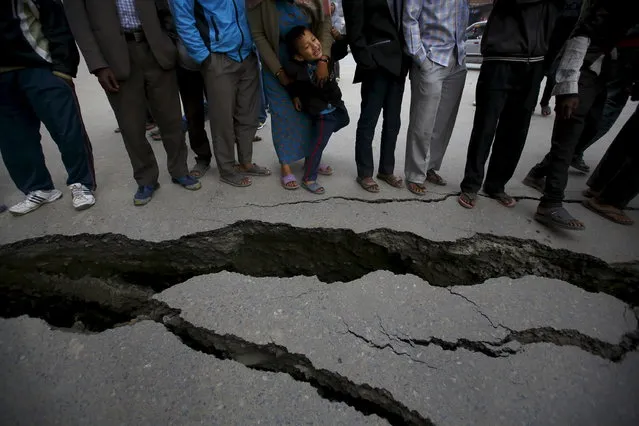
point(292, 37)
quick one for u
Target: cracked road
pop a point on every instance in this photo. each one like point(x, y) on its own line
point(270, 307)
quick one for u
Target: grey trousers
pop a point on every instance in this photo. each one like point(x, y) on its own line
point(234, 92)
point(435, 96)
point(148, 79)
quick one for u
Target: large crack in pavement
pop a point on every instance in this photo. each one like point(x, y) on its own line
point(97, 282)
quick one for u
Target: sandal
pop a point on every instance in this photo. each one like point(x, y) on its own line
point(503, 199)
point(325, 170)
point(467, 200)
point(199, 170)
point(313, 187)
point(289, 182)
point(150, 126)
point(155, 135)
point(416, 188)
point(545, 110)
point(392, 180)
point(254, 170)
point(434, 178)
point(560, 218)
point(237, 180)
point(609, 212)
point(368, 184)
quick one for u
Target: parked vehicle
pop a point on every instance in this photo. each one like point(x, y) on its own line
point(474, 34)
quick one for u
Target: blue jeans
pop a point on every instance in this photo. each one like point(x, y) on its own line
point(325, 125)
point(32, 96)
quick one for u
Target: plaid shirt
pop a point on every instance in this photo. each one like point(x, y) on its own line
point(433, 28)
point(129, 19)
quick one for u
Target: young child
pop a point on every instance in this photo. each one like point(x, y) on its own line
point(321, 100)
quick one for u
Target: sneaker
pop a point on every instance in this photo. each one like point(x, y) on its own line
point(579, 164)
point(144, 194)
point(82, 196)
point(188, 182)
point(3, 208)
point(261, 125)
point(536, 183)
point(34, 200)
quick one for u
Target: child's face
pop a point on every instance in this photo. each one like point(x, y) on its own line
point(309, 47)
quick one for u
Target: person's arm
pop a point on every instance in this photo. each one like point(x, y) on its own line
point(267, 53)
point(354, 18)
point(64, 53)
point(165, 15)
point(184, 16)
point(79, 22)
point(412, 34)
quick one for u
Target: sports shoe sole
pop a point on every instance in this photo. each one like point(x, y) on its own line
point(84, 206)
point(57, 194)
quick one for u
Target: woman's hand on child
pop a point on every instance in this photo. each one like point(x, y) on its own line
point(298, 104)
point(336, 34)
point(322, 72)
point(284, 79)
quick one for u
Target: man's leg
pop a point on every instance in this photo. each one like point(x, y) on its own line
point(426, 84)
point(221, 80)
point(20, 147)
point(565, 137)
point(191, 87)
point(130, 105)
point(247, 108)
point(512, 129)
point(452, 89)
point(54, 101)
point(591, 128)
point(491, 94)
point(392, 115)
point(373, 90)
point(164, 102)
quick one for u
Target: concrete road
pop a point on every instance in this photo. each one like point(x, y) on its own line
point(265, 306)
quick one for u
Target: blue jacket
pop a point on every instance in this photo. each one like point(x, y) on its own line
point(218, 26)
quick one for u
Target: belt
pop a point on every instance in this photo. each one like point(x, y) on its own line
point(137, 36)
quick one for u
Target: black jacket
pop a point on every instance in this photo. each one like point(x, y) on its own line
point(53, 29)
point(520, 30)
point(374, 33)
point(314, 99)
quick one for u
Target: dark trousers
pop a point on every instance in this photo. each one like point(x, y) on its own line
point(617, 175)
point(547, 95)
point(150, 85)
point(192, 92)
point(506, 97)
point(621, 78)
point(565, 137)
point(32, 96)
point(324, 127)
point(380, 91)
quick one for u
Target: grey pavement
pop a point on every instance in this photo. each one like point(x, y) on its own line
point(535, 350)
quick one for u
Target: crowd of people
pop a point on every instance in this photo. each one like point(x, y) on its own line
point(154, 58)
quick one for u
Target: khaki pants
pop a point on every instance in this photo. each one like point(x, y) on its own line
point(148, 81)
point(233, 92)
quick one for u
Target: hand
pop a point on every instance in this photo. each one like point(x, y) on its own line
point(566, 106)
point(322, 73)
point(336, 34)
point(284, 79)
point(107, 80)
point(298, 104)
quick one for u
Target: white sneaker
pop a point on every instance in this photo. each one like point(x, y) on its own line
point(82, 196)
point(34, 200)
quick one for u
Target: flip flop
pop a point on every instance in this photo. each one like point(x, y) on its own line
point(607, 211)
point(255, 170)
point(392, 180)
point(558, 217)
point(288, 180)
point(313, 187)
point(368, 184)
point(503, 199)
point(421, 191)
point(325, 170)
point(237, 180)
point(155, 135)
point(199, 170)
point(467, 200)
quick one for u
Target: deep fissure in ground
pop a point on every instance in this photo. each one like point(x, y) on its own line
point(95, 282)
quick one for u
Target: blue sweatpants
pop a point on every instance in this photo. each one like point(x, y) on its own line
point(29, 97)
point(324, 127)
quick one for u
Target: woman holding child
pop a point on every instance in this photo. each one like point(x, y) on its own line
point(270, 22)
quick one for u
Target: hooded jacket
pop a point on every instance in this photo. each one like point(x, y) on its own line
point(36, 34)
